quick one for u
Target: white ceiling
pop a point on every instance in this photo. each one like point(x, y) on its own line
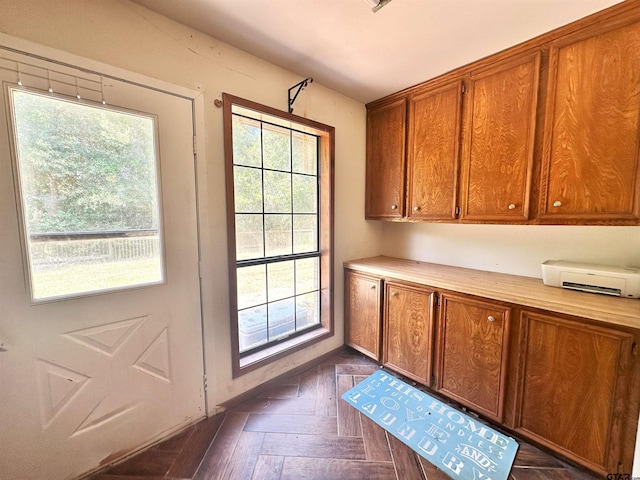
point(343, 45)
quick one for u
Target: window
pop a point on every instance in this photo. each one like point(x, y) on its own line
point(279, 184)
point(89, 193)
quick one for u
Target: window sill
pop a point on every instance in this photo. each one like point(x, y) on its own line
point(281, 350)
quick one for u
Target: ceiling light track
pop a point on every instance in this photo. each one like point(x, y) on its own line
point(300, 86)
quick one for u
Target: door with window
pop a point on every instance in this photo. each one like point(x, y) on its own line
point(100, 325)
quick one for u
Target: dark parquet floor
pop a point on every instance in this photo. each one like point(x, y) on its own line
point(300, 429)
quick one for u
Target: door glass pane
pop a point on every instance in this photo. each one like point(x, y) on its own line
point(89, 192)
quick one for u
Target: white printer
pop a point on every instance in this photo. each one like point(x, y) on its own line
point(616, 281)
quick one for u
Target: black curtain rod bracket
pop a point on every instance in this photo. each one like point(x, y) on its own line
point(300, 86)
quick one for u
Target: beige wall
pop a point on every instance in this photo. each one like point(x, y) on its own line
point(128, 36)
point(515, 249)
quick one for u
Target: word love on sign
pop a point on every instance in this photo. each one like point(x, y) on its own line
point(459, 445)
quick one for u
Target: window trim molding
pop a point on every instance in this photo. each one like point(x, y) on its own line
point(326, 173)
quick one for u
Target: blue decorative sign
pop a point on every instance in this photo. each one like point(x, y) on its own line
point(458, 444)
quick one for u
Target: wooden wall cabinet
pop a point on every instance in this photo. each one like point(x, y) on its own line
point(546, 132)
point(472, 352)
point(408, 330)
point(385, 187)
point(497, 163)
point(591, 156)
point(362, 313)
point(433, 151)
point(575, 383)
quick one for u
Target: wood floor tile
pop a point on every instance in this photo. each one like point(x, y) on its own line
point(348, 417)
point(193, 451)
point(296, 468)
point(375, 441)
point(405, 459)
point(280, 391)
point(326, 404)
point(154, 462)
point(430, 471)
point(245, 456)
point(308, 386)
point(365, 370)
point(530, 456)
point(290, 431)
point(215, 460)
point(318, 446)
point(268, 467)
point(291, 424)
point(293, 406)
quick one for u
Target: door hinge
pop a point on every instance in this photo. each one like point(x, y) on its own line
point(457, 211)
point(199, 269)
point(195, 145)
point(465, 89)
point(437, 300)
point(204, 382)
point(634, 349)
point(433, 381)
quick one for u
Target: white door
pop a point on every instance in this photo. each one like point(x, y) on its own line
point(87, 377)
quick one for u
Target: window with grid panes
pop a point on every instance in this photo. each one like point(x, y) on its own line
point(277, 225)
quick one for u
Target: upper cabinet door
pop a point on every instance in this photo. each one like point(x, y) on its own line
point(386, 130)
point(499, 141)
point(591, 138)
point(434, 139)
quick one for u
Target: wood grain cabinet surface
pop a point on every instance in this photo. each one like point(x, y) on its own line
point(472, 352)
point(385, 187)
point(362, 313)
point(497, 160)
point(408, 330)
point(592, 143)
point(433, 151)
point(545, 132)
point(575, 383)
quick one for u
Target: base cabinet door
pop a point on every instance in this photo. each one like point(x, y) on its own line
point(575, 382)
point(408, 330)
point(472, 352)
point(362, 313)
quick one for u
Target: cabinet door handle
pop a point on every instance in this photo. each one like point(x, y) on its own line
point(557, 203)
point(512, 206)
point(394, 294)
point(393, 207)
point(416, 208)
point(490, 318)
point(373, 287)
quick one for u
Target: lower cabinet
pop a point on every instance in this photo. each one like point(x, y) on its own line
point(568, 383)
point(408, 330)
point(472, 352)
point(575, 382)
point(362, 313)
